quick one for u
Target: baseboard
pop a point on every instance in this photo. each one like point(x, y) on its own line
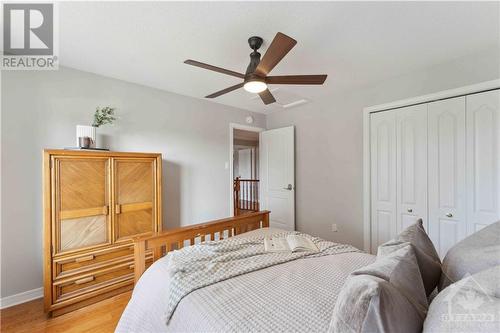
point(23, 297)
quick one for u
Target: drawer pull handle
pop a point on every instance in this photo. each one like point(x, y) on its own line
point(86, 258)
point(449, 215)
point(410, 210)
point(118, 208)
point(85, 280)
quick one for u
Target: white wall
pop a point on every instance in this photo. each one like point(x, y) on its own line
point(40, 110)
point(329, 148)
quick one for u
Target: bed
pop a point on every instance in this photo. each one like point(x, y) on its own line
point(297, 295)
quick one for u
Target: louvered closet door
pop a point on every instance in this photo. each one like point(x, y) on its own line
point(411, 165)
point(135, 205)
point(383, 177)
point(483, 155)
point(446, 149)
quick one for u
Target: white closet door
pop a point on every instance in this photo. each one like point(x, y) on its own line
point(446, 153)
point(411, 165)
point(383, 177)
point(483, 155)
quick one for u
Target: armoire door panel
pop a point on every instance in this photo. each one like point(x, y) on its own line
point(446, 172)
point(134, 223)
point(82, 183)
point(483, 155)
point(83, 232)
point(82, 201)
point(135, 185)
point(411, 165)
point(383, 177)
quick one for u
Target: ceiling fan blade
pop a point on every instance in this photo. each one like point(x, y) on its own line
point(279, 47)
point(296, 79)
point(214, 68)
point(225, 91)
point(267, 97)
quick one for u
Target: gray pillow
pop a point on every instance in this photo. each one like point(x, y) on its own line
point(427, 257)
point(473, 254)
point(469, 305)
point(386, 296)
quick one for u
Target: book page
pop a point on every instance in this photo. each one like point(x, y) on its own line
point(278, 244)
point(300, 243)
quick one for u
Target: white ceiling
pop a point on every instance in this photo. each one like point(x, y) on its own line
point(355, 43)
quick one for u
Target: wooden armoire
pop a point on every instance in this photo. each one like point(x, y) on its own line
point(94, 203)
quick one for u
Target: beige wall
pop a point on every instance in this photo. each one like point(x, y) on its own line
point(40, 110)
point(329, 143)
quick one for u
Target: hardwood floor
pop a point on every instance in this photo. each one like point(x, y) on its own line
point(29, 317)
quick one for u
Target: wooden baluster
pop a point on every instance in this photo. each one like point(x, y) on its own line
point(243, 195)
point(236, 196)
point(254, 199)
point(256, 196)
point(251, 197)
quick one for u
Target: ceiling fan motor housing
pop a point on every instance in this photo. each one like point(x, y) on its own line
point(255, 43)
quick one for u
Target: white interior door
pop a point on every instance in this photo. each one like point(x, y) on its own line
point(483, 160)
point(447, 202)
point(411, 165)
point(383, 177)
point(277, 176)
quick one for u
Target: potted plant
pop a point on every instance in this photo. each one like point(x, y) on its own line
point(86, 135)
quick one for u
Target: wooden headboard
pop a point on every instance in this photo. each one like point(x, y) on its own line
point(161, 243)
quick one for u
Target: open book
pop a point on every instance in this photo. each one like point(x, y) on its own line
point(290, 243)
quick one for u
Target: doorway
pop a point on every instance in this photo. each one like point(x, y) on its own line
point(244, 169)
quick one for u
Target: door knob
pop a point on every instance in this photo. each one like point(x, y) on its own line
point(449, 215)
point(289, 187)
point(410, 210)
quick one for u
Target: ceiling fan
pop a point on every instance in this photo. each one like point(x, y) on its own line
point(255, 80)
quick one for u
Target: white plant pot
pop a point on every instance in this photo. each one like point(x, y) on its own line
point(86, 131)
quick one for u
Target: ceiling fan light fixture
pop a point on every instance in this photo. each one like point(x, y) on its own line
point(255, 86)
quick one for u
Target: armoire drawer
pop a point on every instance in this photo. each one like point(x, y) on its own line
point(92, 281)
point(65, 267)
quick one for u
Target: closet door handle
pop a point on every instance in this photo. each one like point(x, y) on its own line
point(118, 208)
point(449, 215)
point(410, 210)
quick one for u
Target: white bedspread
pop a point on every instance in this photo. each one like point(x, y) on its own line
point(289, 297)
